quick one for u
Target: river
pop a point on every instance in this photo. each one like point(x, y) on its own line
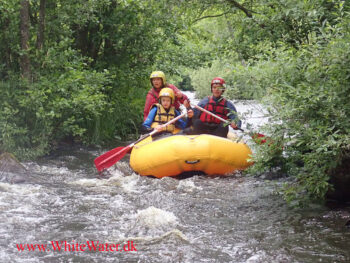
point(75, 217)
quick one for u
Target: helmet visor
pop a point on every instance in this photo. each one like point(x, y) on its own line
point(218, 87)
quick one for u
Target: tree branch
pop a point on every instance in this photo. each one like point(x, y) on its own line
point(204, 17)
point(249, 13)
point(24, 38)
point(41, 27)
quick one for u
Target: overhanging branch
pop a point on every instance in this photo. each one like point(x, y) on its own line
point(249, 13)
point(204, 17)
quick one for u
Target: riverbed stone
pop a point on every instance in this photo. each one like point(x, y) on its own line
point(11, 170)
point(9, 163)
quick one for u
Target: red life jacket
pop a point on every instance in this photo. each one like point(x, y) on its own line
point(218, 108)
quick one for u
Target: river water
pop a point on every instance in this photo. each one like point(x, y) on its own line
point(71, 214)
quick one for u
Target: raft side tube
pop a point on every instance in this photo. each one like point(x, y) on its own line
point(174, 155)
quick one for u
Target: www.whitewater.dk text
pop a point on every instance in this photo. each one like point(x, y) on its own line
point(64, 246)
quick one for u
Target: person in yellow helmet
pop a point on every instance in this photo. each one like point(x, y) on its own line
point(158, 82)
point(164, 112)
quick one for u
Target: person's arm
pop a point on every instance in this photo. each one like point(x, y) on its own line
point(180, 96)
point(201, 104)
point(149, 120)
point(149, 102)
point(183, 99)
point(233, 114)
point(180, 123)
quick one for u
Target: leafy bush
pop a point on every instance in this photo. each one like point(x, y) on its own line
point(56, 106)
point(186, 84)
point(202, 77)
point(309, 102)
point(244, 80)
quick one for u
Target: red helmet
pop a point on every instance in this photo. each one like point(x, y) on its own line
point(218, 80)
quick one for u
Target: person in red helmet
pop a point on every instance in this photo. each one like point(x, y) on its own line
point(206, 123)
point(158, 82)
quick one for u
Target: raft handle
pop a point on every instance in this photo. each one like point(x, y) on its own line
point(192, 162)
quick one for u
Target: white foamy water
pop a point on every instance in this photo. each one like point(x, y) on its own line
point(154, 217)
point(188, 186)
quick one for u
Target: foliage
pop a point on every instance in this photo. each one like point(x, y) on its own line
point(202, 77)
point(294, 55)
point(186, 84)
point(312, 84)
point(56, 106)
point(247, 80)
point(91, 68)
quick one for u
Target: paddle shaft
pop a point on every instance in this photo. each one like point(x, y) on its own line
point(155, 131)
point(257, 137)
point(163, 126)
point(144, 137)
point(216, 116)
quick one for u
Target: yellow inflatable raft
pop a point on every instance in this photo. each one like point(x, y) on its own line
point(177, 154)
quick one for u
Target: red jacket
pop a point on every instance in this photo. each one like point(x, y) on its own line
point(152, 98)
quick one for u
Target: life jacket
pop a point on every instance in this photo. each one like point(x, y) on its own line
point(163, 116)
point(216, 107)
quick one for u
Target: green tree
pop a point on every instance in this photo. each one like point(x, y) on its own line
point(186, 84)
point(86, 63)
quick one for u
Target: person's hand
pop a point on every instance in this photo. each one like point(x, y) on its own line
point(187, 104)
point(189, 113)
point(159, 128)
point(234, 126)
point(179, 95)
point(145, 130)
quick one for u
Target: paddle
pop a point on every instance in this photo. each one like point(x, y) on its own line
point(109, 158)
point(257, 137)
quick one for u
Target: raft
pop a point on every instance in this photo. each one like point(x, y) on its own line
point(178, 154)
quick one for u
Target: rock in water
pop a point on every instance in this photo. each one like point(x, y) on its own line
point(340, 179)
point(347, 224)
point(9, 163)
point(11, 170)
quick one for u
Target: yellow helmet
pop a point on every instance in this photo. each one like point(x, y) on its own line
point(167, 92)
point(158, 74)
